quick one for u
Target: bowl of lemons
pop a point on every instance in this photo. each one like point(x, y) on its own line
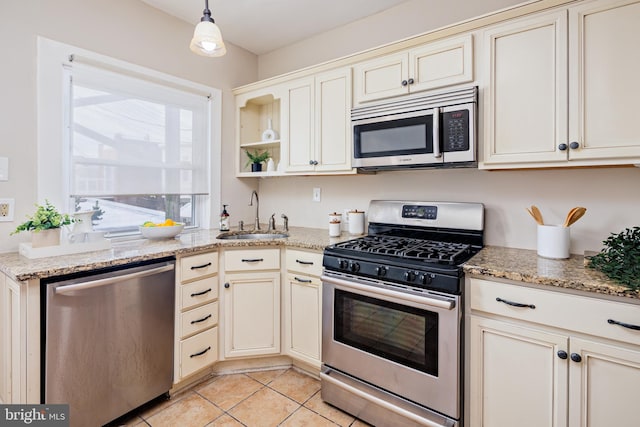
point(161, 230)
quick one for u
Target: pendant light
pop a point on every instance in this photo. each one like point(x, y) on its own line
point(207, 39)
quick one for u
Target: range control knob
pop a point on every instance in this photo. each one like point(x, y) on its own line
point(354, 267)
point(381, 271)
point(343, 264)
point(409, 276)
point(425, 279)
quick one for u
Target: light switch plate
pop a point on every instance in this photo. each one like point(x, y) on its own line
point(4, 169)
point(6, 209)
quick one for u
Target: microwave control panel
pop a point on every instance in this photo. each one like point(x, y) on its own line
point(455, 132)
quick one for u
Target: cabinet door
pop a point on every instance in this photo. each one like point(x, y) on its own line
point(605, 385)
point(299, 112)
point(381, 78)
point(252, 314)
point(442, 63)
point(333, 121)
point(525, 114)
point(10, 339)
point(516, 377)
point(302, 318)
point(605, 88)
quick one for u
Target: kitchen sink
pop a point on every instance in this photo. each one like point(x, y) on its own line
point(251, 235)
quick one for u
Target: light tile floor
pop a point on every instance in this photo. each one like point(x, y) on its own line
point(282, 397)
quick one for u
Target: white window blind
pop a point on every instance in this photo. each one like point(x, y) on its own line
point(132, 136)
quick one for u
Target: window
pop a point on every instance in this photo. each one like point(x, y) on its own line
point(134, 144)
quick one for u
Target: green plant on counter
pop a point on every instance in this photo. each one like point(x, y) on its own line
point(256, 157)
point(45, 218)
point(620, 258)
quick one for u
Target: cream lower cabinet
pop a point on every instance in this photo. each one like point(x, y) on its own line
point(196, 327)
point(303, 306)
point(11, 352)
point(561, 87)
point(555, 360)
point(251, 295)
point(317, 130)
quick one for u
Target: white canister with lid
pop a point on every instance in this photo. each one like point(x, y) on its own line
point(356, 222)
point(335, 224)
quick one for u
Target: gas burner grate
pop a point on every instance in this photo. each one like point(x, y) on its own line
point(409, 248)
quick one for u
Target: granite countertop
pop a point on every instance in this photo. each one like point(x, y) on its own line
point(140, 249)
point(526, 266)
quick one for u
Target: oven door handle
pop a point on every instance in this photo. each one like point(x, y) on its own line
point(325, 376)
point(424, 300)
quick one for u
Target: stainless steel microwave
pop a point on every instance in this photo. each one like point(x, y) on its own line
point(433, 130)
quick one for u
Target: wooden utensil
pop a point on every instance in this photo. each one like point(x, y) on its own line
point(535, 213)
point(574, 215)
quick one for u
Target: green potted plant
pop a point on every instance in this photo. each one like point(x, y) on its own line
point(45, 225)
point(256, 159)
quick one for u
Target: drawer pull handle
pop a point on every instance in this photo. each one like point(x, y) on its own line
point(197, 294)
point(302, 280)
point(193, 322)
point(304, 262)
point(624, 325)
point(516, 304)
point(197, 267)
point(252, 259)
point(201, 352)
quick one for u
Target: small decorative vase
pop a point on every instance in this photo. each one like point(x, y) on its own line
point(42, 238)
point(256, 167)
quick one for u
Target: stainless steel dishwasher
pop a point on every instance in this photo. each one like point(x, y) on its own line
point(108, 340)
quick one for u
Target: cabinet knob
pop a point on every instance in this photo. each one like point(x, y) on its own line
point(226, 285)
point(574, 145)
point(411, 81)
point(313, 162)
point(576, 357)
point(562, 354)
point(562, 147)
point(404, 83)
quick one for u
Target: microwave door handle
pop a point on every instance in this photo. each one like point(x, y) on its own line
point(436, 133)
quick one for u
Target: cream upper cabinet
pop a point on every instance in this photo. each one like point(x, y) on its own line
point(430, 66)
point(525, 98)
point(543, 358)
point(317, 135)
point(604, 88)
point(561, 88)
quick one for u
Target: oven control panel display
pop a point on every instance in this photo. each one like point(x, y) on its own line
point(419, 212)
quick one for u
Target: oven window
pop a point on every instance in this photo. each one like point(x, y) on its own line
point(405, 335)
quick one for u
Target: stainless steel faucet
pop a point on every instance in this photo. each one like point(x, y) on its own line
point(286, 222)
point(256, 226)
point(272, 223)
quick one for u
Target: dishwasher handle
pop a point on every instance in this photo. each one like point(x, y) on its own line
point(111, 280)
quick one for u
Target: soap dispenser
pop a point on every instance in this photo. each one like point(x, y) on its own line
point(224, 219)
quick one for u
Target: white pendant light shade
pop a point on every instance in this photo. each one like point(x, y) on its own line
point(207, 39)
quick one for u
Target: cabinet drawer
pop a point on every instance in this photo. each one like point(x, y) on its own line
point(566, 311)
point(199, 292)
point(196, 266)
point(198, 352)
point(304, 262)
point(199, 319)
point(255, 259)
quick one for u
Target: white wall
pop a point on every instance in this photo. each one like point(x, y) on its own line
point(123, 29)
point(611, 195)
point(405, 20)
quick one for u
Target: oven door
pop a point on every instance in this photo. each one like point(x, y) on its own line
point(406, 342)
point(397, 140)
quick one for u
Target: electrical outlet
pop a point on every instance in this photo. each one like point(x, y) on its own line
point(6, 209)
point(316, 194)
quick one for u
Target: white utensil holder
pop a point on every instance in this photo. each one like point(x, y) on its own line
point(554, 241)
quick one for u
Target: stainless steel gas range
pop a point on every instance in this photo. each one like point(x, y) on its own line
point(392, 329)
